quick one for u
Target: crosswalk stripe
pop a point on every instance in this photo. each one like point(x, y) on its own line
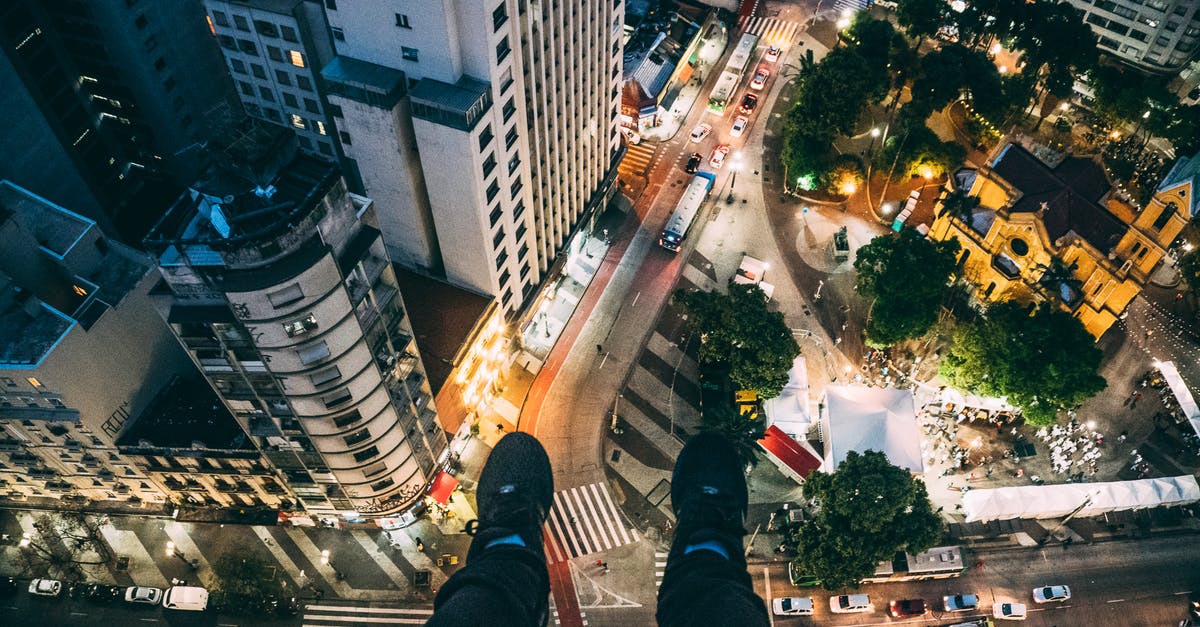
point(369, 610)
point(590, 519)
point(625, 533)
point(608, 521)
point(597, 524)
point(660, 567)
point(354, 620)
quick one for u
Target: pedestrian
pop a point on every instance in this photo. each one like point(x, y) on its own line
point(599, 349)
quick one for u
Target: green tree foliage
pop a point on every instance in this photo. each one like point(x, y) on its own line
point(866, 511)
point(914, 150)
point(66, 544)
point(953, 71)
point(876, 42)
point(1042, 359)
point(907, 277)
point(744, 432)
point(1189, 268)
point(921, 18)
point(244, 581)
point(1058, 45)
point(845, 171)
point(739, 329)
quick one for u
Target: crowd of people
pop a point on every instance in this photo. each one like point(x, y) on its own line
point(1074, 449)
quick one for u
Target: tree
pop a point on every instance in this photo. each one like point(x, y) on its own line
point(921, 18)
point(1058, 46)
point(66, 544)
point(906, 276)
point(914, 150)
point(865, 512)
point(739, 329)
point(744, 432)
point(1042, 359)
point(1189, 269)
point(244, 581)
point(845, 175)
point(960, 205)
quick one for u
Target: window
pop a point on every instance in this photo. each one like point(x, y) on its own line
point(310, 105)
point(324, 147)
point(499, 17)
point(275, 54)
point(506, 80)
point(362, 435)
point(246, 88)
point(296, 58)
point(409, 54)
point(502, 49)
point(368, 453)
point(331, 5)
point(160, 64)
point(510, 108)
point(290, 100)
point(303, 83)
point(247, 46)
point(510, 137)
point(485, 137)
point(347, 419)
point(345, 137)
point(285, 296)
point(338, 33)
point(327, 375)
point(492, 190)
point(337, 398)
point(266, 29)
point(220, 18)
point(489, 164)
point(283, 78)
point(258, 71)
point(519, 210)
point(514, 163)
point(402, 21)
point(320, 129)
point(169, 84)
point(380, 485)
point(515, 188)
point(289, 33)
point(334, 110)
point(227, 42)
point(1167, 213)
point(237, 66)
point(240, 22)
point(266, 94)
point(300, 326)
point(296, 121)
point(495, 215)
point(141, 22)
point(499, 237)
point(313, 352)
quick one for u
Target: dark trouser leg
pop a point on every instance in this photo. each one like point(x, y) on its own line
point(504, 586)
point(704, 588)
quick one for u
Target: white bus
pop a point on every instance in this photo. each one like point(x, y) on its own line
point(685, 212)
point(727, 84)
point(722, 92)
point(742, 54)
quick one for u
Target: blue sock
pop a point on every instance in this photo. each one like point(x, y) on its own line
point(710, 545)
point(510, 539)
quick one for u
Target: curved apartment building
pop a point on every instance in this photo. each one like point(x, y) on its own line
point(286, 300)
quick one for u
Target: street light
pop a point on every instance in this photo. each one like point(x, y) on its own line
point(736, 165)
point(172, 550)
point(327, 561)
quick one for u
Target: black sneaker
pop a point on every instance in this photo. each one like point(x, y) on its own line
point(514, 494)
point(708, 493)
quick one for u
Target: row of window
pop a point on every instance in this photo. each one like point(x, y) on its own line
point(279, 55)
point(262, 27)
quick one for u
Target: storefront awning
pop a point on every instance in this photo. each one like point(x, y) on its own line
point(443, 484)
point(790, 453)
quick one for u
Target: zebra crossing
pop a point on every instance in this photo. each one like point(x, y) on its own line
point(337, 615)
point(660, 567)
point(584, 520)
point(637, 159)
point(557, 621)
point(773, 31)
point(850, 6)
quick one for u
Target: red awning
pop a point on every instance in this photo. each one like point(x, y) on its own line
point(443, 484)
point(781, 446)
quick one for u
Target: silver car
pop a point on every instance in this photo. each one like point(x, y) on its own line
point(147, 596)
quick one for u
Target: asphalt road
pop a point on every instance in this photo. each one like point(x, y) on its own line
point(1127, 584)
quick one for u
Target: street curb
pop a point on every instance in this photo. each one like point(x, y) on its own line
point(1176, 531)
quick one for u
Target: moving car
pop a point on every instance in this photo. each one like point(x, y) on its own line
point(960, 602)
point(792, 606)
point(45, 587)
point(749, 102)
point(772, 54)
point(139, 594)
point(1048, 594)
point(739, 126)
point(718, 156)
point(907, 607)
point(760, 78)
point(701, 131)
point(1009, 611)
point(850, 604)
point(693, 163)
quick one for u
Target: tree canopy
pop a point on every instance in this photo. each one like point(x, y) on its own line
point(742, 431)
point(739, 329)
point(1189, 268)
point(66, 546)
point(920, 18)
point(1042, 359)
point(907, 276)
point(865, 512)
point(244, 581)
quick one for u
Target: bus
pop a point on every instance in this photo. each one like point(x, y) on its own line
point(941, 562)
point(681, 220)
point(742, 54)
point(722, 92)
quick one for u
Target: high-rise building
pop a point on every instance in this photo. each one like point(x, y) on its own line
point(287, 301)
point(1155, 35)
point(112, 97)
point(485, 130)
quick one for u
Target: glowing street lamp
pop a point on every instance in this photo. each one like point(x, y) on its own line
point(172, 550)
point(26, 539)
point(875, 132)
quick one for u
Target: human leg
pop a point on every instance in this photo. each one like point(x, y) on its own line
point(505, 581)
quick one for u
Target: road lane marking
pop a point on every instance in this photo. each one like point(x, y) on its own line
point(767, 584)
point(1115, 601)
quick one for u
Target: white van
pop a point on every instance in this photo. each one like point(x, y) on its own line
point(188, 598)
point(850, 604)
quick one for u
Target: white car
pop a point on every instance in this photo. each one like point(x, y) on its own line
point(760, 78)
point(960, 602)
point(45, 587)
point(1009, 611)
point(701, 131)
point(1047, 594)
point(793, 606)
point(850, 604)
point(718, 156)
point(739, 126)
point(138, 594)
point(772, 54)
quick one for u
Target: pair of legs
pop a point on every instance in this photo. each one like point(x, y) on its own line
point(505, 582)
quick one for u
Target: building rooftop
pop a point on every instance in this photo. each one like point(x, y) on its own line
point(1069, 193)
point(363, 81)
point(1185, 171)
point(285, 7)
point(458, 106)
point(186, 413)
point(55, 228)
point(29, 328)
point(443, 317)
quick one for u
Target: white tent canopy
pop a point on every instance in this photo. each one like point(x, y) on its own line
point(789, 411)
point(859, 419)
point(990, 403)
point(1186, 402)
point(1082, 499)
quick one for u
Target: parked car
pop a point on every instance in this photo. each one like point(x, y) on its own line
point(793, 606)
point(101, 593)
point(772, 54)
point(960, 602)
point(45, 587)
point(760, 78)
point(718, 156)
point(139, 594)
point(739, 126)
point(1048, 594)
point(749, 102)
point(693, 163)
point(1009, 611)
point(907, 607)
point(701, 131)
point(850, 604)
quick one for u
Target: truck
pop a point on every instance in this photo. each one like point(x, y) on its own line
point(751, 272)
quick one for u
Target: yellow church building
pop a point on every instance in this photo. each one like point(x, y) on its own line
point(1057, 232)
